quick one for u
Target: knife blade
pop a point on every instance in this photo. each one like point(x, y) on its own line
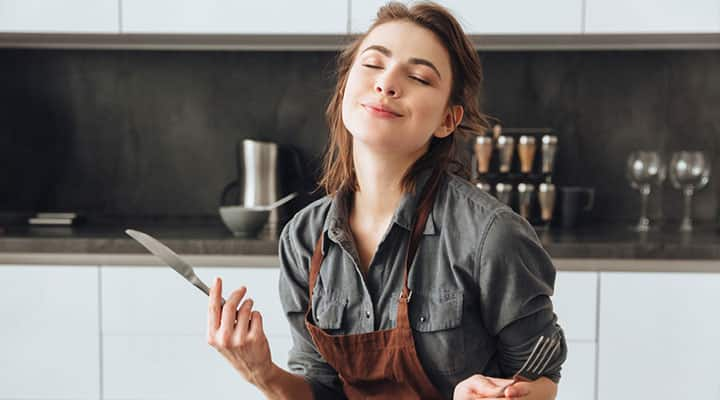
point(170, 258)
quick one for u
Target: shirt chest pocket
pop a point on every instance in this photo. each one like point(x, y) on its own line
point(329, 315)
point(436, 320)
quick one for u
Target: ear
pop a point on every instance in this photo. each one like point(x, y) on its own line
point(452, 119)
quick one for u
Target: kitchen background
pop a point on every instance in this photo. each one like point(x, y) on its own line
point(131, 110)
point(153, 133)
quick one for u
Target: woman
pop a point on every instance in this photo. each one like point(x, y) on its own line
point(462, 314)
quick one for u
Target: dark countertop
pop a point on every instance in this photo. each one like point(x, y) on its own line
point(210, 237)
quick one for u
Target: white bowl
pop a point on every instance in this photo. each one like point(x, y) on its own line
point(242, 221)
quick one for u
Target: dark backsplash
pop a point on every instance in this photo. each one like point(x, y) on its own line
point(153, 132)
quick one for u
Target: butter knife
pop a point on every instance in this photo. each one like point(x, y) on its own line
point(169, 257)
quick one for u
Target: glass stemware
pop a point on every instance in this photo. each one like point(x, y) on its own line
point(645, 169)
point(689, 171)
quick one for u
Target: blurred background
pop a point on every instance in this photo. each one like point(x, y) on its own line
point(175, 117)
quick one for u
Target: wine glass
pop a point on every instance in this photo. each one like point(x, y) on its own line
point(689, 171)
point(644, 170)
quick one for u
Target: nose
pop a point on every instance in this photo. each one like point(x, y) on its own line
point(386, 85)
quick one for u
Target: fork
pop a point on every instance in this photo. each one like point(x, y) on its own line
point(536, 362)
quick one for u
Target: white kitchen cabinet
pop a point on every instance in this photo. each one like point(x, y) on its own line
point(659, 336)
point(575, 303)
point(492, 17)
point(49, 334)
point(652, 16)
point(151, 300)
point(577, 380)
point(154, 325)
point(235, 17)
point(68, 16)
point(175, 367)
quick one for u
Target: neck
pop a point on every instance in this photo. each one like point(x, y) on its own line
point(379, 178)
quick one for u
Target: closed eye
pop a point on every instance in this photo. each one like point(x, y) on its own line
point(424, 82)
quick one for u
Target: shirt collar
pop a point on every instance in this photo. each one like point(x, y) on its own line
point(336, 226)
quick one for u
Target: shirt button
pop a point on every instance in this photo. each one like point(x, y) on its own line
point(367, 314)
point(422, 319)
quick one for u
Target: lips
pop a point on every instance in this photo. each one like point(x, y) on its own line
point(380, 109)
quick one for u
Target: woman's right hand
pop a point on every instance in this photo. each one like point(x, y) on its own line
point(244, 343)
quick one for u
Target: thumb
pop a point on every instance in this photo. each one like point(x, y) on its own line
point(517, 389)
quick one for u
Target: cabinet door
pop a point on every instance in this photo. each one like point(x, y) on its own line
point(652, 16)
point(659, 336)
point(492, 17)
point(232, 16)
point(158, 301)
point(154, 325)
point(71, 16)
point(49, 334)
point(577, 380)
point(575, 303)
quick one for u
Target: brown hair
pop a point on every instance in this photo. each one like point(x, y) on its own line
point(338, 171)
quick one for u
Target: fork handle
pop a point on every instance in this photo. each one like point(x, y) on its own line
point(501, 392)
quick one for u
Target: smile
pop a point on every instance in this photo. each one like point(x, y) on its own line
point(379, 112)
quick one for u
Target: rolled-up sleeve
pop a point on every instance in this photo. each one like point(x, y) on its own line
point(516, 278)
point(304, 358)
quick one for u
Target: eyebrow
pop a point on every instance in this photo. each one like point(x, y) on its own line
point(419, 61)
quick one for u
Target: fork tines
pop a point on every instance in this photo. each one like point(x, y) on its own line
point(539, 358)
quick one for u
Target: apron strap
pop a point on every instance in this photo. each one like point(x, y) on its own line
point(315, 264)
point(427, 198)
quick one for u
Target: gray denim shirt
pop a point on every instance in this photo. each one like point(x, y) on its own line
point(480, 285)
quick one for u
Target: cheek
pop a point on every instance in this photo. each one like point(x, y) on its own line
point(429, 110)
point(351, 97)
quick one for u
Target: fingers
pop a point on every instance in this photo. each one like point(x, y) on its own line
point(214, 307)
point(517, 390)
point(485, 387)
point(230, 309)
point(243, 319)
point(256, 325)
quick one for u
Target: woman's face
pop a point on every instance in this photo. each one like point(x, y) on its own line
point(398, 87)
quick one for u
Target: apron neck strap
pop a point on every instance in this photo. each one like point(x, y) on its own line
point(427, 199)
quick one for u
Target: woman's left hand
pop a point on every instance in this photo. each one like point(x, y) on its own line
point(485, 387)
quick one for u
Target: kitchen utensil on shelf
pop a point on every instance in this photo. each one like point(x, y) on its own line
point(525, 198)
point(483, 153)
point(503, 192)
point(484, 186)
point(496, 131)
point(546, 198)
point(689, 171)
point(169, 257)
point(645, 169)
point(505, 146)
point(547, 151)
point(574, 201)
point(264, 175)
point(247, 222)
point(526, 153)
point(537, 361)
point(275, 204)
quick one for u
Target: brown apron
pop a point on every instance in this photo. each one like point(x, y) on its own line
point(382, 364)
